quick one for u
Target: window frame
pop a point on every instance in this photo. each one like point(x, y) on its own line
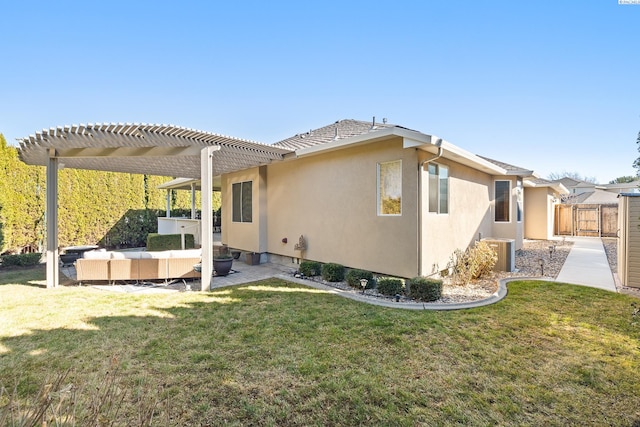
point(434, 189)
point(239, 212)
point(379, 197)
point(519, 199)
point(507, 200)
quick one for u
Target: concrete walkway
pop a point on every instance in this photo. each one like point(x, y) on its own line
point(587, 265)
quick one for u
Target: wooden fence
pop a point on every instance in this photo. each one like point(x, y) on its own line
point(589, 220)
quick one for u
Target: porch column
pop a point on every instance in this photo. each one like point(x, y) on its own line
point(206, 222)
point(53, 269)
point(168, 215)
point(193, 200)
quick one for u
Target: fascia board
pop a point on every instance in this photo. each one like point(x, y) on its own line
point(462, 156)
point(409, 137)
point(556, 186)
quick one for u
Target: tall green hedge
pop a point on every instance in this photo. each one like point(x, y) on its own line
point(94, 207)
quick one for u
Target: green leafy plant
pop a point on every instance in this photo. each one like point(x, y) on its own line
point(390, 286)
point(425, 289)
point(165, 242)
point(332, 272)
point(475, 262)
point(354, 276)
point(21, 260)
point(310, 268)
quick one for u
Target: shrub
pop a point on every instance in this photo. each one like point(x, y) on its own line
point(332, 272)
point(165, 242)
point(22, 260)
point(473, 263)
point(354, 276)
point(425, 289)
point(390, 286)
point(310, 268)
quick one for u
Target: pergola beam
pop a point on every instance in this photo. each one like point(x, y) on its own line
point(127, 152)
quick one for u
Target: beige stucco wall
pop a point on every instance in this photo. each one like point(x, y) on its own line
point(468, 217)
point(331, 199)
point(246, 236)
point(538, 211)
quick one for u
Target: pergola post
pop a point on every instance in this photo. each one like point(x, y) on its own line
point(53, 269)
point(193, 200)
point(206, 239)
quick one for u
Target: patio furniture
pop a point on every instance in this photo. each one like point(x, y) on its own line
point(137, 265)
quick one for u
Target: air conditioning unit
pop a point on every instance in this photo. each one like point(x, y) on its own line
point(506, 251)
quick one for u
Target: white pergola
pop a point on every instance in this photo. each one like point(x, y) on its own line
point(163, 150)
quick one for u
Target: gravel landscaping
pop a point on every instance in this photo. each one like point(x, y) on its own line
point(552, 253)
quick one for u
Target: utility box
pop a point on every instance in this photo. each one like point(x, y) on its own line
point(252, 258)
point(506, 251)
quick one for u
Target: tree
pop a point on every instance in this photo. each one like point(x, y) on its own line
point(636, 164)
point(554, 176)
point(623, 179)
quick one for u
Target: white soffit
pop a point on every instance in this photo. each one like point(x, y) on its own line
point(164, 150)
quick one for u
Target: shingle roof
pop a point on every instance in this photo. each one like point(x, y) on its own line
point(511, 169)
point(595, 197)
point(340, 129)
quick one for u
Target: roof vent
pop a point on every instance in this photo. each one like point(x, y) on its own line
point(384, 120)
point(336, 137)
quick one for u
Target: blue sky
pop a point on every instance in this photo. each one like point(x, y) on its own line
point(547, 85)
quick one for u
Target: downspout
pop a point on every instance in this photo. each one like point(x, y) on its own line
point(420, 170)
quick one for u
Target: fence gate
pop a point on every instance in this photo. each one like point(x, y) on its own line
point(587, 220)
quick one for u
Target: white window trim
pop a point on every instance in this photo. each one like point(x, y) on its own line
point(495, 197)
point(439, 165)
point(519, 199)
point(232, 207)
point(378, 199)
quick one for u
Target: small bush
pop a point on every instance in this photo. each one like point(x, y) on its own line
point(22, 260)
point(310, 268)
point(473, 263)
point(332, 272)
point(425, 289)
point(390, 286)
point(165, 242)
point(354, 276)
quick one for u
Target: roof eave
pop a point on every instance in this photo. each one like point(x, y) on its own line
point(411, 139)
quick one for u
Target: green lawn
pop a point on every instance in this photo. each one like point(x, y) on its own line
point(275, 353)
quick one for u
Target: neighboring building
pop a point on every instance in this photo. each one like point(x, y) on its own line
point(581, 192)
point(378, 197)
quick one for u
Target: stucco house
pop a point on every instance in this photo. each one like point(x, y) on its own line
point(367, 195)
point(380, 197)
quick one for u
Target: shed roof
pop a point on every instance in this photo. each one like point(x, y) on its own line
point(153, 149)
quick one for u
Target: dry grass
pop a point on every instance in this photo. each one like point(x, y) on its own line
point(275, 353)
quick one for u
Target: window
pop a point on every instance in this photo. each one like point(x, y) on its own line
point(503, 201)
point(242, 201)
point(438, 188)
point(519, 199)
point(390, 188)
